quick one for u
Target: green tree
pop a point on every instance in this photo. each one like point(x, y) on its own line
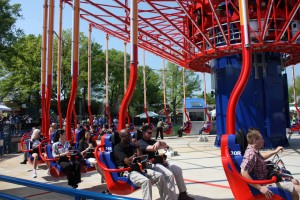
point(22, 80)
point(8, 31)
point(291, 90)
point(153, 91)
point(209, 98)
point(174, 89)
point(96, 68)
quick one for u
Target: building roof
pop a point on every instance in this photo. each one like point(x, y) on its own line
point(194, 103)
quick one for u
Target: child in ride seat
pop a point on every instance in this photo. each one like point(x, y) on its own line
point(254, 162)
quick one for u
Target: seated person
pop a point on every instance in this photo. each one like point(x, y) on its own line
point(170, 171)
point(254, 163)
point(86, 147)
point(34, 143)
point(205, 126)
point(124, 154)
point(52, 130)
point(61, 151)
point(94, 132)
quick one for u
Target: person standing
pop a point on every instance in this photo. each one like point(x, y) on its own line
point(160, 129)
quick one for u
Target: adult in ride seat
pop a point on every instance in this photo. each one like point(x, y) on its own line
point(124, 153)
point(86, 148)
point(170, 171)
point(254, 164)
point(34, 143)
point(71, 167)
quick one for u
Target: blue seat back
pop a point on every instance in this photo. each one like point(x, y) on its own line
point(108, 143)
point(50, 155)
point(107, 158)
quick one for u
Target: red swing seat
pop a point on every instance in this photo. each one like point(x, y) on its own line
point(168, 128)
point(231, 154)
point(187, 127)
point(208, 127)
point(25, 141)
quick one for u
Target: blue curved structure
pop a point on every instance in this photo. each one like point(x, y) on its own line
point(264, 102)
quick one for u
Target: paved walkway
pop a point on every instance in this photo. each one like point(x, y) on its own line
point(200, 162)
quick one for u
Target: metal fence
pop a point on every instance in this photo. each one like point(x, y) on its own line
point(77, 194)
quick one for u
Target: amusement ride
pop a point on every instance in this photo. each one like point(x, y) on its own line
point(245, 45)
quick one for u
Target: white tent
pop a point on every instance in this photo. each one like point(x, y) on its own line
point(213, 113)
point(293, 108)
point(150, 114)
point(4, 108)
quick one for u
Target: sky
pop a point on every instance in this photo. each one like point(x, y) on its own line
point(32, 23)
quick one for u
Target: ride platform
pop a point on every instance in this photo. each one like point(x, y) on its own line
point(200, 161)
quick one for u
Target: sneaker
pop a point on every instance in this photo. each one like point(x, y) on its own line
point(23, 162)
point(184, 196)
point(75, 186)
point(34, 175)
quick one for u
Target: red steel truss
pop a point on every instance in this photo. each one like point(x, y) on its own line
point(192, 32)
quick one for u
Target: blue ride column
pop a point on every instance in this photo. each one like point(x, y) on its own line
point(264, 102)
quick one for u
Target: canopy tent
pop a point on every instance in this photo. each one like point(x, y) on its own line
point(150, 114)
point(213, 113)
point(4, 108)
point(293, 109)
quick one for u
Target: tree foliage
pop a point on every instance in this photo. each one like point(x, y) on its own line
point(153, 91)
point(22, 80)
point(174, 86)
point(291, 90)
point(8, 32)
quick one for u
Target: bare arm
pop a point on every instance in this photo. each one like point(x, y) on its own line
point(128, 161)
point(158, 145)
point(268, 154)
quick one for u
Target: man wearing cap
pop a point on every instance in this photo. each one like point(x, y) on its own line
point(170, 171)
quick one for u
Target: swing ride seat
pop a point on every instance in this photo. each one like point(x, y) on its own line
point(131, 128)
point(187, 127)
point(25, 141)
point(54, 168)
point(116, 183)
point(232, 158)
point(52, 136)
point(151, 126)
point(30, 157)
point(169, 128)
point(86, 167)
point(208, 127)
point(295, 127)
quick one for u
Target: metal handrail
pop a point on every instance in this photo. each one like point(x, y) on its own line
point(77, 194)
